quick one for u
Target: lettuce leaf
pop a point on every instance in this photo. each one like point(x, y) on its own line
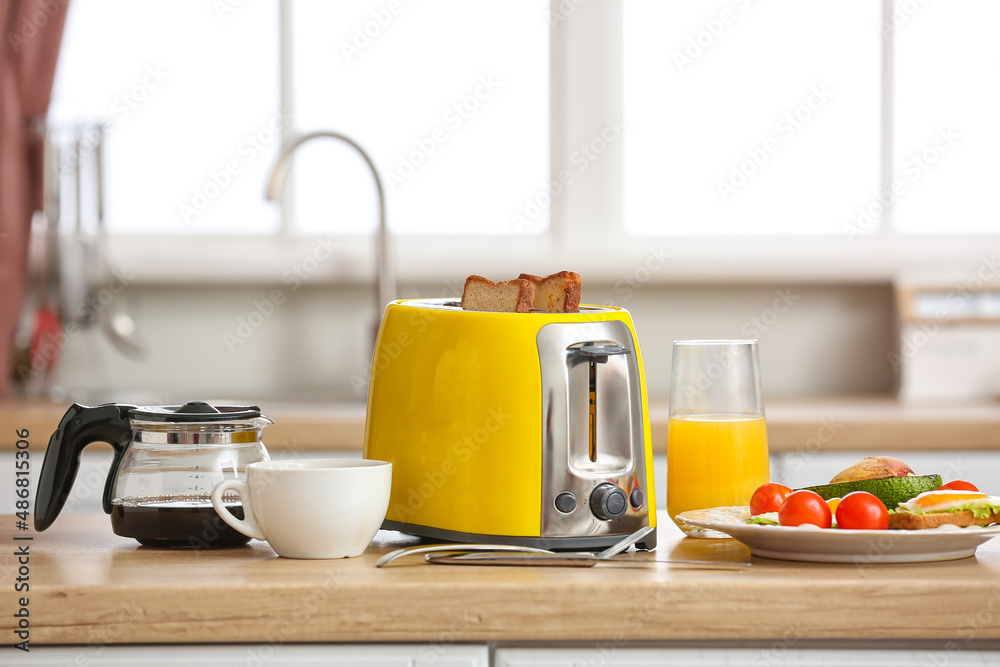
point(980, 511)
point(763, 520)
point(984, 511)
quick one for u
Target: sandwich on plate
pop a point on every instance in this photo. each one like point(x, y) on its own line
point(946, 506)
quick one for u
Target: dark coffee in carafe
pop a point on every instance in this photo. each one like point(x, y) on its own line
point(191, 523)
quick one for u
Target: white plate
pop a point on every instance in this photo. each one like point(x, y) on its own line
point(808, 543)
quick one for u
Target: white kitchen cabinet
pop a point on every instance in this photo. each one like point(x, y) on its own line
point(606, 654)
point(257, 655)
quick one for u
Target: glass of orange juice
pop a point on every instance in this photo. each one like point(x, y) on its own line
point(717, 441)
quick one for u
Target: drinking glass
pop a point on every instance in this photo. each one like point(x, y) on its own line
point(717, 441)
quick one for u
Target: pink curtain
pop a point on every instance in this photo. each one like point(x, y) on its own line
point(31, 33)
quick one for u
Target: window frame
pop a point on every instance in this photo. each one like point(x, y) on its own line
point(586, 231)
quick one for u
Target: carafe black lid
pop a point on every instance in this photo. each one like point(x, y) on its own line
point(195, 411)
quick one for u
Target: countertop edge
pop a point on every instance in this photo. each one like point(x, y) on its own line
point(873, 424)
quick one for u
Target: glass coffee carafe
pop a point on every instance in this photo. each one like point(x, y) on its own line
point(167, 461)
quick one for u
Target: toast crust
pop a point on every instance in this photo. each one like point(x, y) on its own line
point(509, 296)
point(557, 293)
point(921, 521)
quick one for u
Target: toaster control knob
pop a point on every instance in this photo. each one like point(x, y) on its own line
point(607, 502)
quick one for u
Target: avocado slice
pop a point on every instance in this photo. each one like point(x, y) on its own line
point(890, 490)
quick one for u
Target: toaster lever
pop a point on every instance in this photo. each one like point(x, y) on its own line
point(600, 353)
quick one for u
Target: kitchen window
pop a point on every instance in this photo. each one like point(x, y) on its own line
point(456, 119)
point(776, 110)
point(450, 97)
point(947, 100)
point(775, 140)
point(191, 107)
point(748, 118)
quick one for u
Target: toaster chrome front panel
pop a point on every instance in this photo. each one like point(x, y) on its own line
point(590, 453)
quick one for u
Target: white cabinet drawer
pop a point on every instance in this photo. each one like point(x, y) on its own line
point(256, 655)
point(778, 656)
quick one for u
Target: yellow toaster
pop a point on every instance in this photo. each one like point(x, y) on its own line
point(512, 428)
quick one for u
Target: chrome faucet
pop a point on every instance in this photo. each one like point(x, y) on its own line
point(385, 282)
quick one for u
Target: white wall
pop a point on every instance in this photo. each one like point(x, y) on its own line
point(829, 339)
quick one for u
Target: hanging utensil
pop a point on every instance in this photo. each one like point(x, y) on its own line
point(77, 285)
point(38, 240)
point(45, 335)
point(117, 324)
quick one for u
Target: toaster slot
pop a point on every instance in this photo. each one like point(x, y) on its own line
point(597, 354)
point(600, 434)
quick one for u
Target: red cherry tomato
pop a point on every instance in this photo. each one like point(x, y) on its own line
point(861, 510)
point(768, 498)
point(805, 507)
point(958, 485)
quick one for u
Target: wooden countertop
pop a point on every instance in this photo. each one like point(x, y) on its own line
point(862, 424)
point(89, 585)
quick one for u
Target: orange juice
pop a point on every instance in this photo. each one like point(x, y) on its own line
point(714, 460)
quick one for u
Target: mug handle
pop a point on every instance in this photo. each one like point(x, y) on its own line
point(248, 525)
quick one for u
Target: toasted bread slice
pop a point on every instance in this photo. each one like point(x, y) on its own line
point(558, 293)
point(920, 521)
point(511, 296)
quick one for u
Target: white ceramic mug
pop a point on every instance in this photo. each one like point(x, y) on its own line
point(311, 508)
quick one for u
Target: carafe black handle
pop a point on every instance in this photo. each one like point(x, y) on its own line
point(79, 427)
